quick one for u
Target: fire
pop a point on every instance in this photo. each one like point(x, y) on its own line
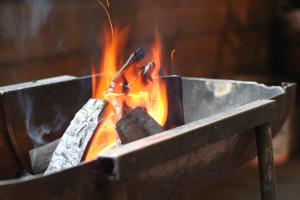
point(151, 95)
point(111, 53)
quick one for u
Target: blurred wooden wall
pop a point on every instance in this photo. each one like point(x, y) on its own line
point(212, 38)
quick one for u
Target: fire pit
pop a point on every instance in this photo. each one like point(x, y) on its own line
point(217, 139)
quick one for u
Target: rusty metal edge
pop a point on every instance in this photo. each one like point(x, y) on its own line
point(41, 82)
point(150, 151)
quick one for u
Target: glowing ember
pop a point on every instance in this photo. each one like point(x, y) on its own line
point(150, 94)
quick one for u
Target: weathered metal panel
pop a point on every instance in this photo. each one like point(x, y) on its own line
point(40, 112)
point(170, 165)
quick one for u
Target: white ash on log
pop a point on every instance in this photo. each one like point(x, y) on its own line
point(136, 125)
point(73, 143)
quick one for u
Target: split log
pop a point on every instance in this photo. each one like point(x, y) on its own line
point(40, 157)
point(134, 58)
point(73, 143)
point(136, 125)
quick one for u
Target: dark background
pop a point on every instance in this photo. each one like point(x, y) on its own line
point(212, 38)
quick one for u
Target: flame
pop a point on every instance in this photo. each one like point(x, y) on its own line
point(112, 52)
point(158, 108)
point(151, 95)
point(104, 137)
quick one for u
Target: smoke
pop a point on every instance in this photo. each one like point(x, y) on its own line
point(23, 21)
point(37, 131)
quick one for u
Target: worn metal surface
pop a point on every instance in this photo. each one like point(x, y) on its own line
point(9, 155)
point(39, 112)
point(188, 138)
point(75, 183)
point(130, 168)
point(175, 163)
point(218, 96)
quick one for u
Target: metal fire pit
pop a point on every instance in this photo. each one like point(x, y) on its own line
point(218, 138)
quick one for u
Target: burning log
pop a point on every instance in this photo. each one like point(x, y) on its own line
point(119, 78)
point(147, 72)
point(73, 143)
point(136, 125)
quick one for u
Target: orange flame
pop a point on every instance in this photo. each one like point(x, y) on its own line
point(111, 58)
point(150, 95)
point(158, 108)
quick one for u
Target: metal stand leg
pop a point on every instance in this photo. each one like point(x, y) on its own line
point(265, 162)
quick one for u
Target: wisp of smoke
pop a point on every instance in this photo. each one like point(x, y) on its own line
point(36, 132)
point(20, 23)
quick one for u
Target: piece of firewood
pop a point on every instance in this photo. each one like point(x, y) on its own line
point(147, 72)
point(120, 76)
point(136, 125)
point(40, 157)
point(73, 143)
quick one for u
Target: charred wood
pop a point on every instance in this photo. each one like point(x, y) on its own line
point(40, 157)
point(136, 125)
point(73, 143)
point(147, 72)
point(134, 58)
